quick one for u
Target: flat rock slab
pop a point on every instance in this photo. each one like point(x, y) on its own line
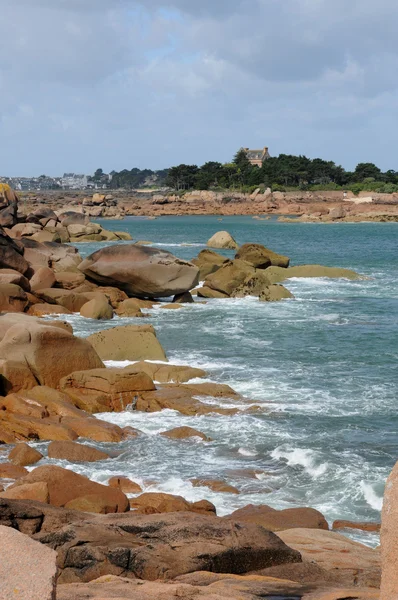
point(27, 568)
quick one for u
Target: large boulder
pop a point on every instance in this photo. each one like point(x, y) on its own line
point(277, 520)
point(208, 262)
point(162, 546)
point(40, 352)
point(261, 257)
point(222, 239)
point(65, 486)
point(12, 254)
point(105, 390)
point(141, 271)
point(389, 538)
point(230, 276)
point(27, 568)
point(14, 277)
point(128, 342)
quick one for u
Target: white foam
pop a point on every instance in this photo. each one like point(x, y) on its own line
point(375, 501)
point(302, 457)
point(247, 452)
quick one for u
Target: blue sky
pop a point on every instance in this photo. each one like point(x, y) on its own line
point(120, 84)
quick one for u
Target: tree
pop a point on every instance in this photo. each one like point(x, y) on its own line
point(99, 173)
point(364, 170)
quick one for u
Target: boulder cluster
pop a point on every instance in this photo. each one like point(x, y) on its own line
point(78, 538)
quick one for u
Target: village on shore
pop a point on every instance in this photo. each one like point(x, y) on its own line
point(68, 537)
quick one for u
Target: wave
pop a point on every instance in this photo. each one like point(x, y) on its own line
point(374, 501)
point(302, 457)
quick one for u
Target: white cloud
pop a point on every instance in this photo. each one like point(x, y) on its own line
point(119, 83)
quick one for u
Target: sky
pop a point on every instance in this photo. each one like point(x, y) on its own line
point(117, 84)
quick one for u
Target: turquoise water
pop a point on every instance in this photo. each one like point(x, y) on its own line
point(323, 368)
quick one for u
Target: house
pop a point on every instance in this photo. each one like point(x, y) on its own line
point(257, 157)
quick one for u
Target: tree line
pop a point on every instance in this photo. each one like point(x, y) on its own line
point(282, 173)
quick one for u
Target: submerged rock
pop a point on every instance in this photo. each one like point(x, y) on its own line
point(141, 271)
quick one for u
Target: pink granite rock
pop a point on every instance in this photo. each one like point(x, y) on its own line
point(27, 568)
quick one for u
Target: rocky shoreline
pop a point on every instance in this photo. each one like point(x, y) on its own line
point(318, 207)
point(76, 538)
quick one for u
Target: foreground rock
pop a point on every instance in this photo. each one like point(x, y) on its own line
point(230, 586)
point(24, 455)
point(162, 546)
point(34, 351)
point(278, 520)
point(128, 342)
point(352, 564)
point(27, 568)
point(222, 239)
point(141, 271)
point(389, 538)
point(74, 491)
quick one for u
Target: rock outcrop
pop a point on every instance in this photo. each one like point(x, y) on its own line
point(141, 271)
point(27, 568)
point(39, 352)
point(261, 257)
point(278, 520)
point(389, 538)
point(128, 342)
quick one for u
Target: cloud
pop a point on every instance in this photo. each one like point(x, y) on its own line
point(122, 83)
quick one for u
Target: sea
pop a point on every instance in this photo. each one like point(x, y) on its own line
point(322, 367)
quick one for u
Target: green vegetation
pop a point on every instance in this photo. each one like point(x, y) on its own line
point(282, 173)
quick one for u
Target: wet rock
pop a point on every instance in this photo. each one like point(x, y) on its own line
point(178, 398)
point(128, 342)
point(74, 452)
point(277, 520)
point(24, 455)
point(185, 298)
point(40, 310)
point(261, 257)
point(362, 526)
point(141, 271)
point(126, 485)
point(229, 277)
point(274, 293)
point(216, 486)
point(27, 569)
point(222, 239)
point(104, 390)
point(183, 433)
point(208, 262)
